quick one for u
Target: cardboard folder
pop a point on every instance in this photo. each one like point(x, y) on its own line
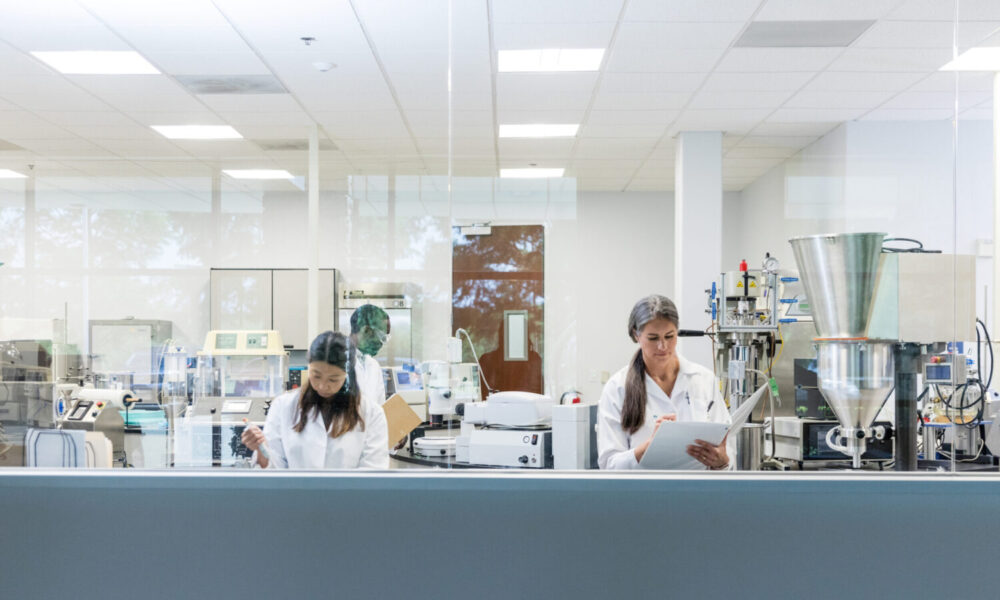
point(400, 418)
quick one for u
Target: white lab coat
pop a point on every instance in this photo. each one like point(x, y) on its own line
point(369, 374)
point(693, 391)
point(313, 448)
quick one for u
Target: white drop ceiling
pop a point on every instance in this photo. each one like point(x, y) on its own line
point(669, 66)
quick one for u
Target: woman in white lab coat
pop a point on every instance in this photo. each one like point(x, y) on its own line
point(326, 423)
point(658, 385)
point(369, 332)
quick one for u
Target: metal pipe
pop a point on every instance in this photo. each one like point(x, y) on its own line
point(906, 361)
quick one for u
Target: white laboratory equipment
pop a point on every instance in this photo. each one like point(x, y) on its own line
point(574, 436)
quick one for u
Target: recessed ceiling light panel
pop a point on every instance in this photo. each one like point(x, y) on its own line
point(258, 173)
point(198, 132)
point(532, 173)
point(538, 130)
point(97, 62)
point(8, 174)
point(976, 59)
point(802, 34)
point(549, 60)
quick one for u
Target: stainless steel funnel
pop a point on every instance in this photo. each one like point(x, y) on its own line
point(855, 378)
point(839, 272)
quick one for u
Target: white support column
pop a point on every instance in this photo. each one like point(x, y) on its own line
point(697, 232)
point(312, 304)
point(992, 324)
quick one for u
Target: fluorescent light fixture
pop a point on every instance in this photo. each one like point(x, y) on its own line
point(532, 173)
point(538, 130)
point(976, 59)
point(550, 59)
point(198, 132)
point(258, 173)
point(97, 63)
point(8, 174)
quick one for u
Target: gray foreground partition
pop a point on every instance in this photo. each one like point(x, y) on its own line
point(403, 535)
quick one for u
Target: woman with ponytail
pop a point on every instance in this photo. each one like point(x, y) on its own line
point(658, 385)
point(325, 424)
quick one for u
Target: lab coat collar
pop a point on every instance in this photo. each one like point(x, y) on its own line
point(686, 367)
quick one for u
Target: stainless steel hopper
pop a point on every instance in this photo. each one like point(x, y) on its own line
point(840, 274)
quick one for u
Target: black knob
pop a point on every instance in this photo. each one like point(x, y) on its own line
point(446, 394)
point(460, 409)
point(859, 434)
point(523, 460)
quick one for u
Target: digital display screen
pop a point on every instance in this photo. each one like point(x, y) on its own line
point(938, 372)
point(225, 341)
point(236, 406)
point(403, 378)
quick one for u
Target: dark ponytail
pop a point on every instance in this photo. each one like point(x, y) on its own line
point(648, 309)
point(334, 349)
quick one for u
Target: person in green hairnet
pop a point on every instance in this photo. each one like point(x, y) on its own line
point(369, 332)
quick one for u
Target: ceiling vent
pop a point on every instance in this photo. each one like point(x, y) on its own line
point(802, 34)
point(292, 145)
point(231, 84)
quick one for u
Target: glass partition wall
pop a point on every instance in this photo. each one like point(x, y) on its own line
point(504, 180)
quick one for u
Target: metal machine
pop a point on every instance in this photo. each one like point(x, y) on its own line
point(745, 316)
point(239, 373)
point(450, 384)
point(509, 429)
point(875, 313)
point(574, 436)
point(804, 441)
point(100, 410)
point(407, 383)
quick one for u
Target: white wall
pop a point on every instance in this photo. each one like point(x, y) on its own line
point(897, 177)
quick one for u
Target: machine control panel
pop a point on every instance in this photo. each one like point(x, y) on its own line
point(946, 369)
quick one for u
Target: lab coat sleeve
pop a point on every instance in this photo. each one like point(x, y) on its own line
point(612, 441)
point(375, 454)
point(274, 426)
point(378, 382)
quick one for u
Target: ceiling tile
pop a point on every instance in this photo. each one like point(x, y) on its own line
point(611, 100)
point(936, 10)
point(896, 114)
point(756, 82)
point(591, 130)
point(531, 11)
point(659, 37)
point(739, 60)
point(832, 100)
point(642, 60)
point(862, 82)
point(775, 128)
point(924, 60)
point(652, 118)
point(815, 115)
point(824, 10)
point(738, 101)
point(651, 82)
point(614, 148)
point(925, 34)
point(691, 10)
point(525, 36)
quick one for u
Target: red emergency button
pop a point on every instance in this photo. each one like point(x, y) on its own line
point(100, 405)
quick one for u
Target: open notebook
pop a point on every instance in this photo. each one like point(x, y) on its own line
point(668, 450)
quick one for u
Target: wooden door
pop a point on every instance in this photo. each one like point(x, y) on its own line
point(498, 296)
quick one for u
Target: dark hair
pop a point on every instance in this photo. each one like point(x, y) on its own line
point(334, 349)
point(366, 314)
point(648, 309)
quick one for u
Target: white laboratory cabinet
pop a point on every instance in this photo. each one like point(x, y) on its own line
point(272, 299)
